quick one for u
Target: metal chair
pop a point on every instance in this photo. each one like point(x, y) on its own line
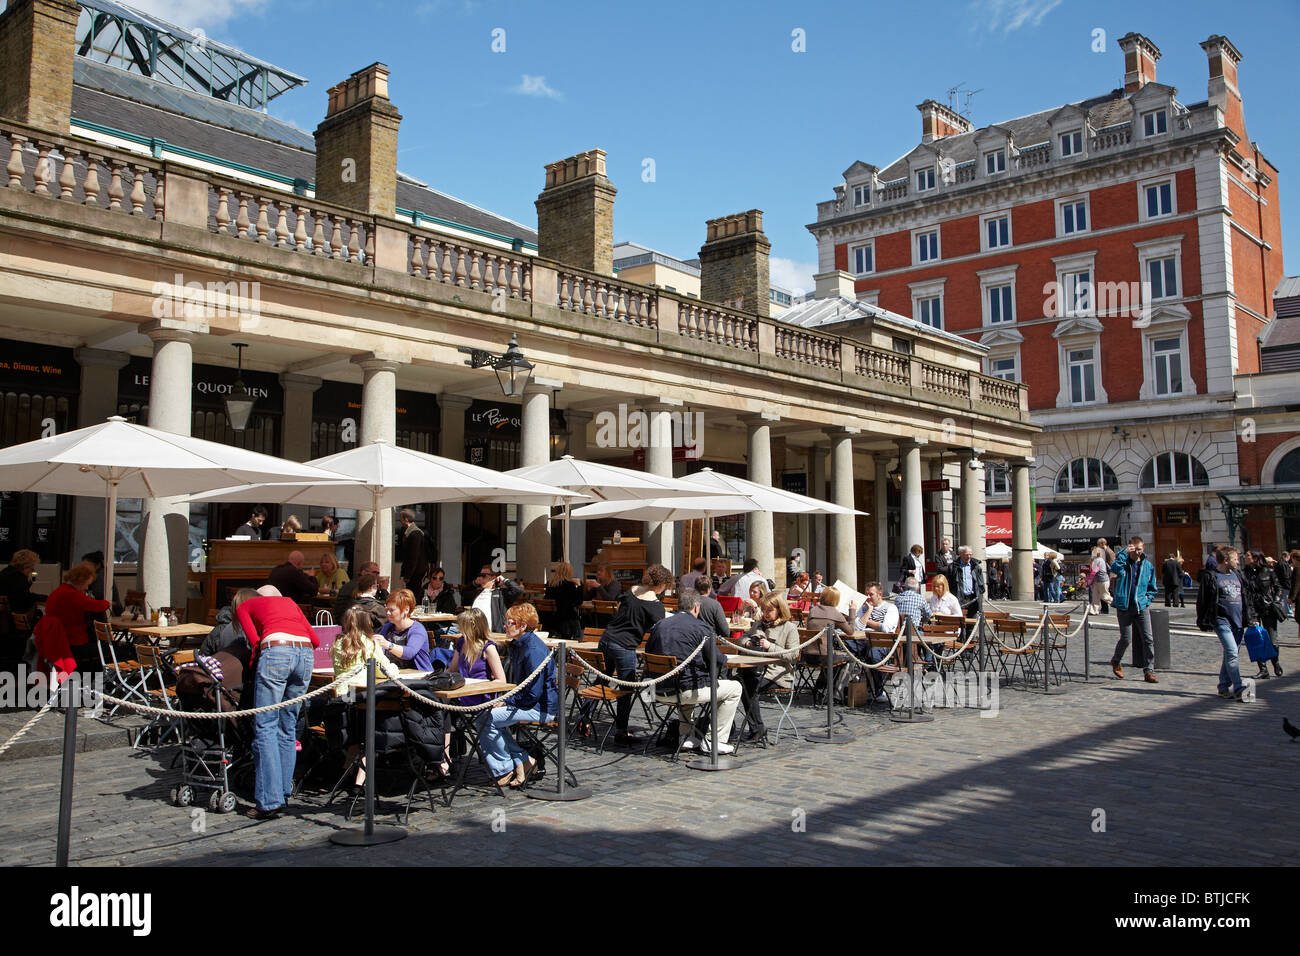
point(594, 698)
point(155, 669)
point(1015, 657)
point(123, 678)
point(1055, 642)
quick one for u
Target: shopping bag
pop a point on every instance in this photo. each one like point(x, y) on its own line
point(1258, 646)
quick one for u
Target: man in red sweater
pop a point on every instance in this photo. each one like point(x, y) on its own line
point(282, 643)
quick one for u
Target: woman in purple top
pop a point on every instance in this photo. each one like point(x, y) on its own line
point(476, 656)
point(403, 637)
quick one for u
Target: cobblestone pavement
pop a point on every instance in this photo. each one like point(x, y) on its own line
point(1170, 766)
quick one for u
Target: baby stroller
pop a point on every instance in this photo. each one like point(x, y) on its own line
point(217, 751)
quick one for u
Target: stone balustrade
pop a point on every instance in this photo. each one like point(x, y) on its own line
point(716, 324)
point(881, 365)
point(1040, 154)
point(470, 266)
point(1111, 137)
point(894, 189)
point(606, 298)
point(964, 172)
point(63, 168)
point(944, 380)
point(800, 345)
point(291, 222)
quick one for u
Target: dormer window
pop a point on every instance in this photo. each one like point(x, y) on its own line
point(1155, 123)
point(995, 162)
point(861, 195)
point(924, 179)
point(1072, 143)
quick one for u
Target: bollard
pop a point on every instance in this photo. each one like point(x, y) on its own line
point(562, 793)
point(715, 762)
point(1087, 648)
point(912, 717)
point(369, 835)
point(829, 736)
point(71, 688)
point(1160, 637)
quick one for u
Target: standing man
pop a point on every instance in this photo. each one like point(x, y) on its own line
point(415, 563)
point(252, 528)
point(1171, 576)
point(492, 594)
point(717, 547)
point(738, 584)
point(966, 579)
point(946, 554)
point(1134, 590)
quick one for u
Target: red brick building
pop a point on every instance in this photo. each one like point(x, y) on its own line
point(1117, 254)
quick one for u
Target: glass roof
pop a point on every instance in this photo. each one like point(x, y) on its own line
point(123, 37)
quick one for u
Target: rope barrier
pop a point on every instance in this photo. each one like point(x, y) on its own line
point(774, 654)
point(1023, 648)
point(485, 705)
point(955, 654)
point(642, 683)
point(861, 663)
point(28, 726)
point(222, 715)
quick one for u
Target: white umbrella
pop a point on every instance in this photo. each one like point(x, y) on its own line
point(772, 499)
point(117, 458)
point(999, 551)
point(707, 506)
point(606, 482)
point(380, 475)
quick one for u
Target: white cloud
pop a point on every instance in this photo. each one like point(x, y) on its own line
point(536, 86)
point(1009, 15)
point(192, 14)
point(796, 277)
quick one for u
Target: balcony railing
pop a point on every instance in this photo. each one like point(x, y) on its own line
point(1111, 137)
point(65, 170)
point(1040, 154)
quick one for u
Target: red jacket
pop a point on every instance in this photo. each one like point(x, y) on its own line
point(261, 616)
point(70, 606)
point(52, 646)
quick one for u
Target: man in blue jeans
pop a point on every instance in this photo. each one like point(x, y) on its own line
point(1132, 599)
point(1220, 608)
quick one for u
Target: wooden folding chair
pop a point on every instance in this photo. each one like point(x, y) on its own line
point(1054, 643)
point(594, 698)
point(665, 707)
point(158, 693)
point(1015, 656)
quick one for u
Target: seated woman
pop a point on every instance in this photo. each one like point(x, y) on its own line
point(403, 637)
point(70, 603)
point(476, 656)
point(329, 576)
point(801, 585)
point(354, 646)
point(563, 589)
point(943, 601)
point(539, 701)
point(757, 591)
point(772, 632)
point(442, 597)
point(824, 614)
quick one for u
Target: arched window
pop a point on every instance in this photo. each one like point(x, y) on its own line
point(1173, 469)
point(1086, 474)
point(1287, 471)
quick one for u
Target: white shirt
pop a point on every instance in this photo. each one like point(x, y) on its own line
point(948, 605)
point(741, 590)
point(886, 613)
point(483, 601)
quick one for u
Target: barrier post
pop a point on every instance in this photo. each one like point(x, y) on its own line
point(1087, 647)
point(715, 762)
point(562, 793)
point(369, 835)
point(1049, 631)
point(829, 736)
point(71, 687)
point(911, 717)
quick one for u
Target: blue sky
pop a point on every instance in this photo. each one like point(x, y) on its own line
point(713, 92)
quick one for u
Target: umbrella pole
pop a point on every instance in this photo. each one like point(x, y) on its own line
point(110, 539)
point(567, 554)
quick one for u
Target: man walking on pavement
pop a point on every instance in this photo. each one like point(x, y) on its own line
point(1134, 590)
point(1172, 578)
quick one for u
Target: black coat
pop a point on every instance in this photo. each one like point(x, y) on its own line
point(415, 563)
point(1264, 593)
point(1207, 601)
point(1172, 572)
point(956, 584)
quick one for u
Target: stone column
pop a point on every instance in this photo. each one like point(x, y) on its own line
point(164, 551)
point(577, 420)
point(296, 429)
point(98, 400)
point(1022, 538)
point(451, 515)
point(534, 449)
point(843, 542)
point(378, 423)
point(759, 538)
point(881, 517)
point(817, 476)
point(659, 461)
point(909, 463)
point(972, 514)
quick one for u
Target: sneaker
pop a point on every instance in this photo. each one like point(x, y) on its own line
point(689, 744)
point(722, 749)
point(1226, 694)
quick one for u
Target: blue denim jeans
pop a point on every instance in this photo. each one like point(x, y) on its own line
point(500, 749)
point(1054, 591)
point(1230, 637)
point(621, 663)
point(283, 672)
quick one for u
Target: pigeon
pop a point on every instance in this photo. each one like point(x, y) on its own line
point(1291, 729)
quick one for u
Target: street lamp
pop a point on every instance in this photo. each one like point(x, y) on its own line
point(239, 403)
point(512, 369)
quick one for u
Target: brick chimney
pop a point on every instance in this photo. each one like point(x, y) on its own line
point(1140, 56)
point(938, 121)
point(1224, 93)
point(37, 47)
point(734, 267)
point(575, 213)
point(356, 144)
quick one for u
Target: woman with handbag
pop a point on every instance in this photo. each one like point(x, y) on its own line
point(1099, 579)
point(1263, 592)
